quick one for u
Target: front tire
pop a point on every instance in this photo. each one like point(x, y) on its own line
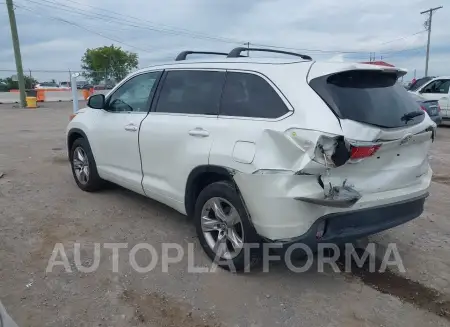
point(224, 228)
point(84, 168)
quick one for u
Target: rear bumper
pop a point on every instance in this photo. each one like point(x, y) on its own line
point(278, 213)
point(349, 226)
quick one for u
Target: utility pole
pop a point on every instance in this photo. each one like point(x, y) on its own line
point(17, 56)
point(428, 26)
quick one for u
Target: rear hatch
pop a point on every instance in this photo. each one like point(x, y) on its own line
point(385, 131)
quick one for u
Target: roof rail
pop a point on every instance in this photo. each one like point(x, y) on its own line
point(182, 55)
point(236, 52)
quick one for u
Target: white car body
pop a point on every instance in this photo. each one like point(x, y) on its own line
point(47, 86)
point(274, 162)
point(437, 89)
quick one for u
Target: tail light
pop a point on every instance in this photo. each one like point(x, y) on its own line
point(361, 152)
point(331, 150)
point(342, 151)
point(423, 108)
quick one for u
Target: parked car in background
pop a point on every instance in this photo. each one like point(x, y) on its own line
point(87, 86)
point(47, 85)
point(430, 106)
point(438, 89)
point(255, 150)
point(80, 84)
point(65, 85)
point(107, 86)
point(3, 88)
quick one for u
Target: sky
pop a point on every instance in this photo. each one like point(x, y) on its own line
point(54, 34)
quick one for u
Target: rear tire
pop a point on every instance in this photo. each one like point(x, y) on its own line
point(84, 168)
point(224, 228)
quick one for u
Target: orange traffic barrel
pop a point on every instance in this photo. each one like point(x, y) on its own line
point(40, 95)
point(86, 94)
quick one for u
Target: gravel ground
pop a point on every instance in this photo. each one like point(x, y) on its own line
point(40, 205)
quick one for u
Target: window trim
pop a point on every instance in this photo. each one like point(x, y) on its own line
point(125, 80)
point(283, 98)
point(161, 85)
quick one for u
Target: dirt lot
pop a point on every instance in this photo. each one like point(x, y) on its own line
point(40, 205)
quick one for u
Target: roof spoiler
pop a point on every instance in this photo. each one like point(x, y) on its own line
point(384, 66)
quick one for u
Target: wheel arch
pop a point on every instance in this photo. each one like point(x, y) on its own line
point(199, 178)
point(72, 135)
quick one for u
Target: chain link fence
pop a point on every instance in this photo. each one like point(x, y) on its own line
point(55, 78)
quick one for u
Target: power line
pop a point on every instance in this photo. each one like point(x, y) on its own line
point(230, 40)
point(180, 31)
point(402, 50)
point(168, 27)
point(173, 31)
point(404, 37)
point(410, 52)
point(82, 27)
point(122, 21)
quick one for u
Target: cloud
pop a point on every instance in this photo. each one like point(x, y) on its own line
point(347, 29)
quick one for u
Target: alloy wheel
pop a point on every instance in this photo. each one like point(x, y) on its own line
point(80, 163)
point(222, 228)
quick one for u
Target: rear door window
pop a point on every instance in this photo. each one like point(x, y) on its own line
point(249, 95)
point(371, 97)
point(191, 92)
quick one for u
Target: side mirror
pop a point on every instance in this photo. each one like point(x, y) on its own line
point(96, 101)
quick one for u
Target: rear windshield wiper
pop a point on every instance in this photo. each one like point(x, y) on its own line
point(410, 115)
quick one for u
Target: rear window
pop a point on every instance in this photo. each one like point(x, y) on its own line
point(418, 83)
point(249, 95)
point(371, 97)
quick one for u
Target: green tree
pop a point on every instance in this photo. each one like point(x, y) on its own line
point(8, 83)
point(108, 63)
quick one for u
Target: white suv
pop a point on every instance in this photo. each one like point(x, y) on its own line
point(273, 150)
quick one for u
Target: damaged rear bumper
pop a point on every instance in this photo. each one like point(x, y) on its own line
point(286, 207)
point(348, 226)
point(337, 196)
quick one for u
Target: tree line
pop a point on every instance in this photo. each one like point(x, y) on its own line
point(107, 64)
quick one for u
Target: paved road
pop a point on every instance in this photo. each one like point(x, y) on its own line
point(40, 206)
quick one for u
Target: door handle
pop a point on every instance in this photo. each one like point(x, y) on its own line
point(200, 132)
point(444, 98)
point(131, 128)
